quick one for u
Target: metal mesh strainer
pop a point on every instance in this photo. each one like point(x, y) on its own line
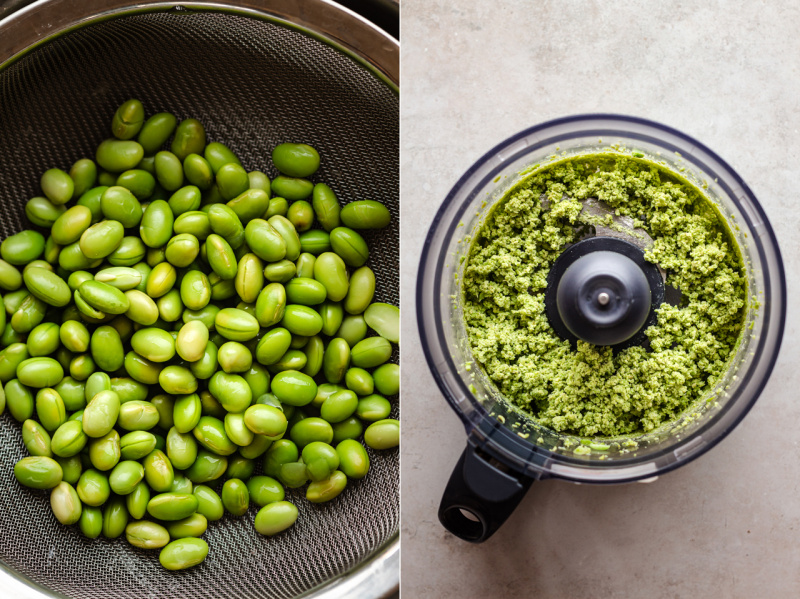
point(254, 84)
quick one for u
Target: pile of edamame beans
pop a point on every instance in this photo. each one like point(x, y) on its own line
point(174, 321)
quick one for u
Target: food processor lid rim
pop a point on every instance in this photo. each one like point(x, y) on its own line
point(381, 58)
point(521, 447)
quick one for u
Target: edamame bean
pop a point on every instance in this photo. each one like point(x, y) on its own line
point(65, 503)
point(384, 319)
point(84, 175)
point(153, 344)
point(43, 340)
point(210, 433)
point(70, 225)
point(295, 160)
point(232, 180)
point(265, 420)
point(58, 186)
point(339, 406)
point(115, 517)
point(193, 526)
point(301, 320)
point(42, 212)
point(309, 430)
point(330, 270)
point(22, 248)
point(321, 460)
point(136, 445)
point(275, 518)
point(196, 291)
point(91, 522)
point(103, 297)
point(292, 188)
point(287, 231)
point(206, 467)
point(158, 471)
point(157, 222)
point(104, 453)
point(336, 360)
point(361, 291)
point(305, 291)
point(183, 554)
point(40, 372)
point(235, 497)
point(137, 415)
point(383, 434)
point(326, 207)
point(169, 170)
point(372, 351)
point(177, 380)
point(315, 242)
point(146, 535)
point(365, 214)
point(328, 489)
point(139, 182)
point(359, 381)
point(387, 379)
point(198, 171)
point(125, 476)
point(236, 325)
point(350, 246)
point(156, 131)
point(101, 239)
point(353, 458)
point(128, 120)
point(101, 414)
point(38, 472)
point(249, 204)
point(301, 215)
point(221, 257)
point(93, 488)
point(294, 388)
point(50, 409)
point(249, 279)
point(185, 199)
point(118, 203)
point(190, 138)
point(209, 503)
point(106, 347)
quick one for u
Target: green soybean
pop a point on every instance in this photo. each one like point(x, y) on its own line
point(365, 214)
point(326, 207)
point(383, 434)
point(65, 503)
point(38, 472)
point(387, 379)
point(57, 185)
point(128, 120)
point(328, 489)
point(350, 246)
point(353, 458)
point(146, 535)
point(190, 138)
point(275, 517)
point(183, 553)
point(292, 188)
point(156, 131)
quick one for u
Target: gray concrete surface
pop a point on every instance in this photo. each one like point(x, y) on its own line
point(475, 72)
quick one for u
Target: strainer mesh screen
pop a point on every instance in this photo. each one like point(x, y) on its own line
point(253, 84)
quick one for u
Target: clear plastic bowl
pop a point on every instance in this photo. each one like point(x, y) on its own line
point(512, 438)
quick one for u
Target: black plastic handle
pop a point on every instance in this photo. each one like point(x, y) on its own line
point(479, 497)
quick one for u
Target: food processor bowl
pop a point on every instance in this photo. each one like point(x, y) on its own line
point(506, 448)
point(256, 73)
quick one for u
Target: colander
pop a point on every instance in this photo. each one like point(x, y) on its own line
point(256, 74)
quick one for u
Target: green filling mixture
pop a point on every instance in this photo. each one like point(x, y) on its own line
point(590, 390)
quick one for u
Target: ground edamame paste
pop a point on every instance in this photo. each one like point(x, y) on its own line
point(590, 390)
